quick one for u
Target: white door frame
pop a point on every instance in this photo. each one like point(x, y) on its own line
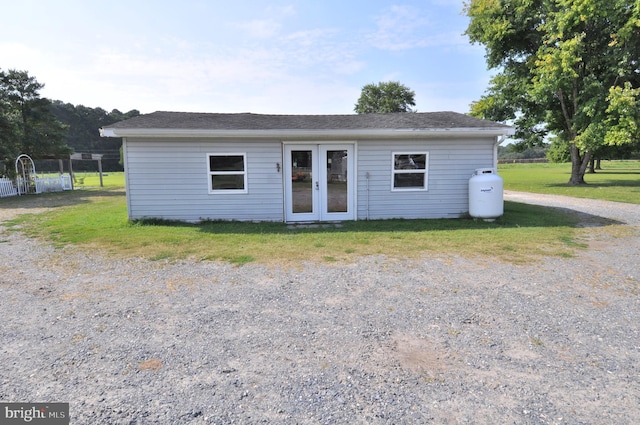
point(319, 190)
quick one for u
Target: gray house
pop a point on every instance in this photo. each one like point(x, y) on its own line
point(303, 168)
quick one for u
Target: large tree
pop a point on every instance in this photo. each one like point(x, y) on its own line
point(566, 67)
point(26, 122)
point(385, 97)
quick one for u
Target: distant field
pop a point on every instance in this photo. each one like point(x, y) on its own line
point(617, 181)
point(115, 179)
point(91, 179)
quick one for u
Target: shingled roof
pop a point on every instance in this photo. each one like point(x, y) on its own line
point(249, 121)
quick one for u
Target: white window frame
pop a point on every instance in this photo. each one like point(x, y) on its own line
point(236, 173)
point(394, 172)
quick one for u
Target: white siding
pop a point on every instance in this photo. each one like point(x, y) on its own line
point(451, 164)
point(168, 179)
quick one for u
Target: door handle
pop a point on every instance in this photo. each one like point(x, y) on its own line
point(317, 186)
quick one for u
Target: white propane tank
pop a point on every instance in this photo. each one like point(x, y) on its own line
point(486, 198)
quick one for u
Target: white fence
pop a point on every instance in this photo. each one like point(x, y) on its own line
point(53, 184)
point(7, 188)
point(19, 186)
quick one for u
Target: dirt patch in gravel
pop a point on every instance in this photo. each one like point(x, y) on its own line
point(444, 339)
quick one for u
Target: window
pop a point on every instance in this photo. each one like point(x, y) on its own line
point(227, 173)
point(409, 170)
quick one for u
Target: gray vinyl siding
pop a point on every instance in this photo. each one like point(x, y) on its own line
point(168, 179)
point(451, 164)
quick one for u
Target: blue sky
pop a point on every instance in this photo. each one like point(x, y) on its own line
point(280, 57)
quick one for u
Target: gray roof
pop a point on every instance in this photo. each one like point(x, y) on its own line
point(249, 121)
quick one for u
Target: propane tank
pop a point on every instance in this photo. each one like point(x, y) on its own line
point(486, 198)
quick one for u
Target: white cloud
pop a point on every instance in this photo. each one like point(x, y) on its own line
point(281, 12)
point(298, 95)
point(395, 29)
point(270, 25)
point(406, 27)
point(299, 72)
point(319, 51)
point(260, 28)
point(19, 56)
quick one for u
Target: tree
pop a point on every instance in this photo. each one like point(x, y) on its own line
point(8, 144)
point(83, 135)
point(385, 97)
point(569, 68)
point(26, 123)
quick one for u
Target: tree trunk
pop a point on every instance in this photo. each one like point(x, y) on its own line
point(592, 165)
point(598, 167)
point(579, 165)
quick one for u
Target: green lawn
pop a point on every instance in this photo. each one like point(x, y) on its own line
point(94, 218)
point(617, 181)
point(97, 220)
point(92, 179)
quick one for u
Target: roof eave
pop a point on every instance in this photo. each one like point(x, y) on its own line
point(295, 134)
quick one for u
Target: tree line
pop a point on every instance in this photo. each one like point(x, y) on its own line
point(83, 136)
point(45, 129)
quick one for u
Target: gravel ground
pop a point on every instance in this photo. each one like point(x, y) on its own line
point(445, 340)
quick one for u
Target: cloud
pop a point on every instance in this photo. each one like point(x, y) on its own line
point(296, 95)
point(19, 56)
point(286, 11)
point(292, 72)
point(260, 28)
point(268, 27)
point(319, 52)
point(404, 27)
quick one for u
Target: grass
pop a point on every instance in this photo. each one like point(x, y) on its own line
point(91, 179)
point(617, 181)
point(96, 218)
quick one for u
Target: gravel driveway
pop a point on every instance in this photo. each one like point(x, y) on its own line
point(444, 340)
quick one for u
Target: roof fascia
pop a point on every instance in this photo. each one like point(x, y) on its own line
point(364, 133)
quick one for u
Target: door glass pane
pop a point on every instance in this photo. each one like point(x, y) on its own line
point(337, 181)
point(301, 181)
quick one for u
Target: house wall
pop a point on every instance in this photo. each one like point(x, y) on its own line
point(452, 161)
point(168, 179)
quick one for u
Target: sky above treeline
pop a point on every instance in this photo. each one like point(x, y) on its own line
point(274, 57)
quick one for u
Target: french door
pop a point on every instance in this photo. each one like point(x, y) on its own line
point(319, 182)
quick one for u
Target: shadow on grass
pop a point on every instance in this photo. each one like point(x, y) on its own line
point(58, 199)
point(615, 172)
point(597, 184)
point(516, 215)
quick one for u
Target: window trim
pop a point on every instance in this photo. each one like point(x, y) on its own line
point(394, 172)
point(235, 173)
